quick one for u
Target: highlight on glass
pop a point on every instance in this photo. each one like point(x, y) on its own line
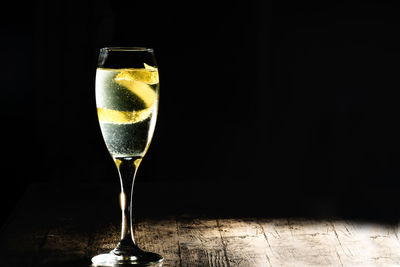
point(127, 94)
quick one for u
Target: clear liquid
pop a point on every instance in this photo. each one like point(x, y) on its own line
point(127, 103)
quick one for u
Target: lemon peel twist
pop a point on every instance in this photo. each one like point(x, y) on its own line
point(137, 81)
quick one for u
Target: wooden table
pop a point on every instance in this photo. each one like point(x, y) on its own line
point(65, 225)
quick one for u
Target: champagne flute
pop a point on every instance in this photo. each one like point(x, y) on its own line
point(127, 102)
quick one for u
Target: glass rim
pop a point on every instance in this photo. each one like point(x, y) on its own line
point(127, 49)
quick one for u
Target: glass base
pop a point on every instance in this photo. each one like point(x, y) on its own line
point(143, 259)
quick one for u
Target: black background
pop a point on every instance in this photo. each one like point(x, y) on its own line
point(276, 102)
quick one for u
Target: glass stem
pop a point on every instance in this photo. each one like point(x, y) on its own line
point(127, 168)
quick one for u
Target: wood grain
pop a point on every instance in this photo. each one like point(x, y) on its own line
point(104, 238)
point(244, 242)
point(296, 242)
point(77, 226)
point(159, 236)
point(367, 244)
point(200, 242)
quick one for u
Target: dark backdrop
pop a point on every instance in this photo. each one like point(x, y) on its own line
point(286, 101)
